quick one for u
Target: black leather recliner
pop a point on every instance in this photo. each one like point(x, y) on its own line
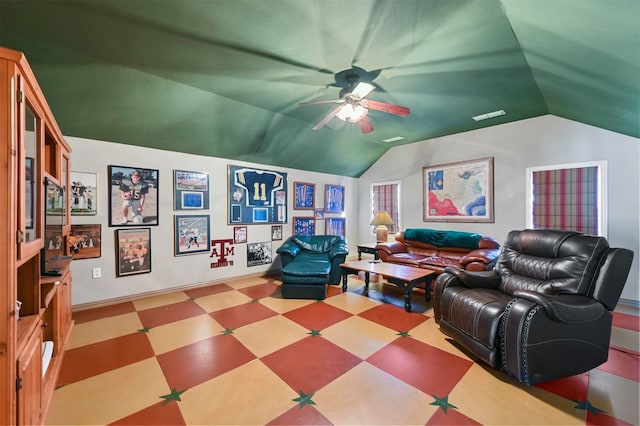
point(544, 311)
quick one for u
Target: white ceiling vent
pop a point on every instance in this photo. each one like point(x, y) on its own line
point(489, 115)
point(393, 139)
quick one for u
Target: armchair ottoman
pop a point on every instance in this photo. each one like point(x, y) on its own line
point(305, 280)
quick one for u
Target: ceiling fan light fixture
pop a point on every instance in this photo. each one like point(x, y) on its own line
point(351, 113)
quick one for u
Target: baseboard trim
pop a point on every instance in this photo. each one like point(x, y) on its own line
point(132, 297)
point(630, 303)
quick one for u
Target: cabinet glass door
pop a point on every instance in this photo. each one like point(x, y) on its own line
point(31, 177)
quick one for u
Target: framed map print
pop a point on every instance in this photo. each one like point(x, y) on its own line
point(256, 196)
point(458, 192)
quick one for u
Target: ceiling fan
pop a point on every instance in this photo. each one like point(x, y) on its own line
point(353, 106)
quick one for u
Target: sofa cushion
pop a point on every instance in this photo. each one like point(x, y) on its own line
point(407, 258)
point(316, 269)
point(439, 261)
point(309, 256)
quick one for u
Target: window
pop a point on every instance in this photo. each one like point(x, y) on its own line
point(568, 197)
point(386, 196)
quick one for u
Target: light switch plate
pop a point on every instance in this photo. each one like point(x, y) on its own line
point(97, 272)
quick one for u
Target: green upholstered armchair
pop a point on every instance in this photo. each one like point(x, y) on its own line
point(328, 248)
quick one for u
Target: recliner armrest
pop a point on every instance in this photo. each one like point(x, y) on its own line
point(566, 308)
point(289, 248)
point(475, 279)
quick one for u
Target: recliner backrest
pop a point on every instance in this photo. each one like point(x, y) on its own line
point(550, 261)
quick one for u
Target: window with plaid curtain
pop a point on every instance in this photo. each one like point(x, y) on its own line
point(386, 196)
point(567, 198)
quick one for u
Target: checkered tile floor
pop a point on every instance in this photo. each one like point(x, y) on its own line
point(237, 353)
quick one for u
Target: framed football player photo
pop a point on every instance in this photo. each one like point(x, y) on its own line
point(133, 196)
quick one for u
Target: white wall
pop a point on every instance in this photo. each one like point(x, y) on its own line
point(169, 271)
point(535, 142)
point(539, 141)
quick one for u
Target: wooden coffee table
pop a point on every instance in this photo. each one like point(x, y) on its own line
point(405, 277)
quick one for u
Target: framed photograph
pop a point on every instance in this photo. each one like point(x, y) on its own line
point(133, 248)
point(305, 196)
point(84, 193)
point(319, 214)
point(458, 192)
point(190, 190)
point(85, 241)
point(335, 226)
point(258, 254)
point(304, 226)
point(191, 234)
point(28, 192)
point(276, 232)
point(239, 234)
point(333, 198)
point(256, 196)
point(133, 196)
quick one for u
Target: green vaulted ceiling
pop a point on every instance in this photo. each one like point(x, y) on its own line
point(224, 78)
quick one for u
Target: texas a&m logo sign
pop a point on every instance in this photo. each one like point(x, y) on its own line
point(220, 249)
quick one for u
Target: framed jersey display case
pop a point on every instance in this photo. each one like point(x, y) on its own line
point(256, 196)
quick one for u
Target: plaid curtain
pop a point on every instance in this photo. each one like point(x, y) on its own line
point(386, 197)
point(566, 199)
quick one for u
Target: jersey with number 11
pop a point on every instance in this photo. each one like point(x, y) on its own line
point(260, 186)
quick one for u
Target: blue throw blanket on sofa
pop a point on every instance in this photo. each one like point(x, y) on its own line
point(439, 238)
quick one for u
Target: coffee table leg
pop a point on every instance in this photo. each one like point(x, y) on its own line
point(427, 288)
point(344, 279)
point(366, 279)
point(407, 297)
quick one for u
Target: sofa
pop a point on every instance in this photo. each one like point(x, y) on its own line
point(436, 249)
point(544, 311)
point(309, 263)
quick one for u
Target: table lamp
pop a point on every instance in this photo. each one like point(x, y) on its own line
point(381, 220)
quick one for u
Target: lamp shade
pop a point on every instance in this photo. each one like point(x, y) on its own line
point(382, 218)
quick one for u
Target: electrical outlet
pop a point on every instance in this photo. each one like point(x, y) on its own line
point(97, 273)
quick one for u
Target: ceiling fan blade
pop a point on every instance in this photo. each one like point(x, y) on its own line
point(362, 90)
point(385, 107)
point(329, 101)
point(328, 117)
point(365, 125)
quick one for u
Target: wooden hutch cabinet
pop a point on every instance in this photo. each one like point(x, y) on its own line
point(35, 274)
